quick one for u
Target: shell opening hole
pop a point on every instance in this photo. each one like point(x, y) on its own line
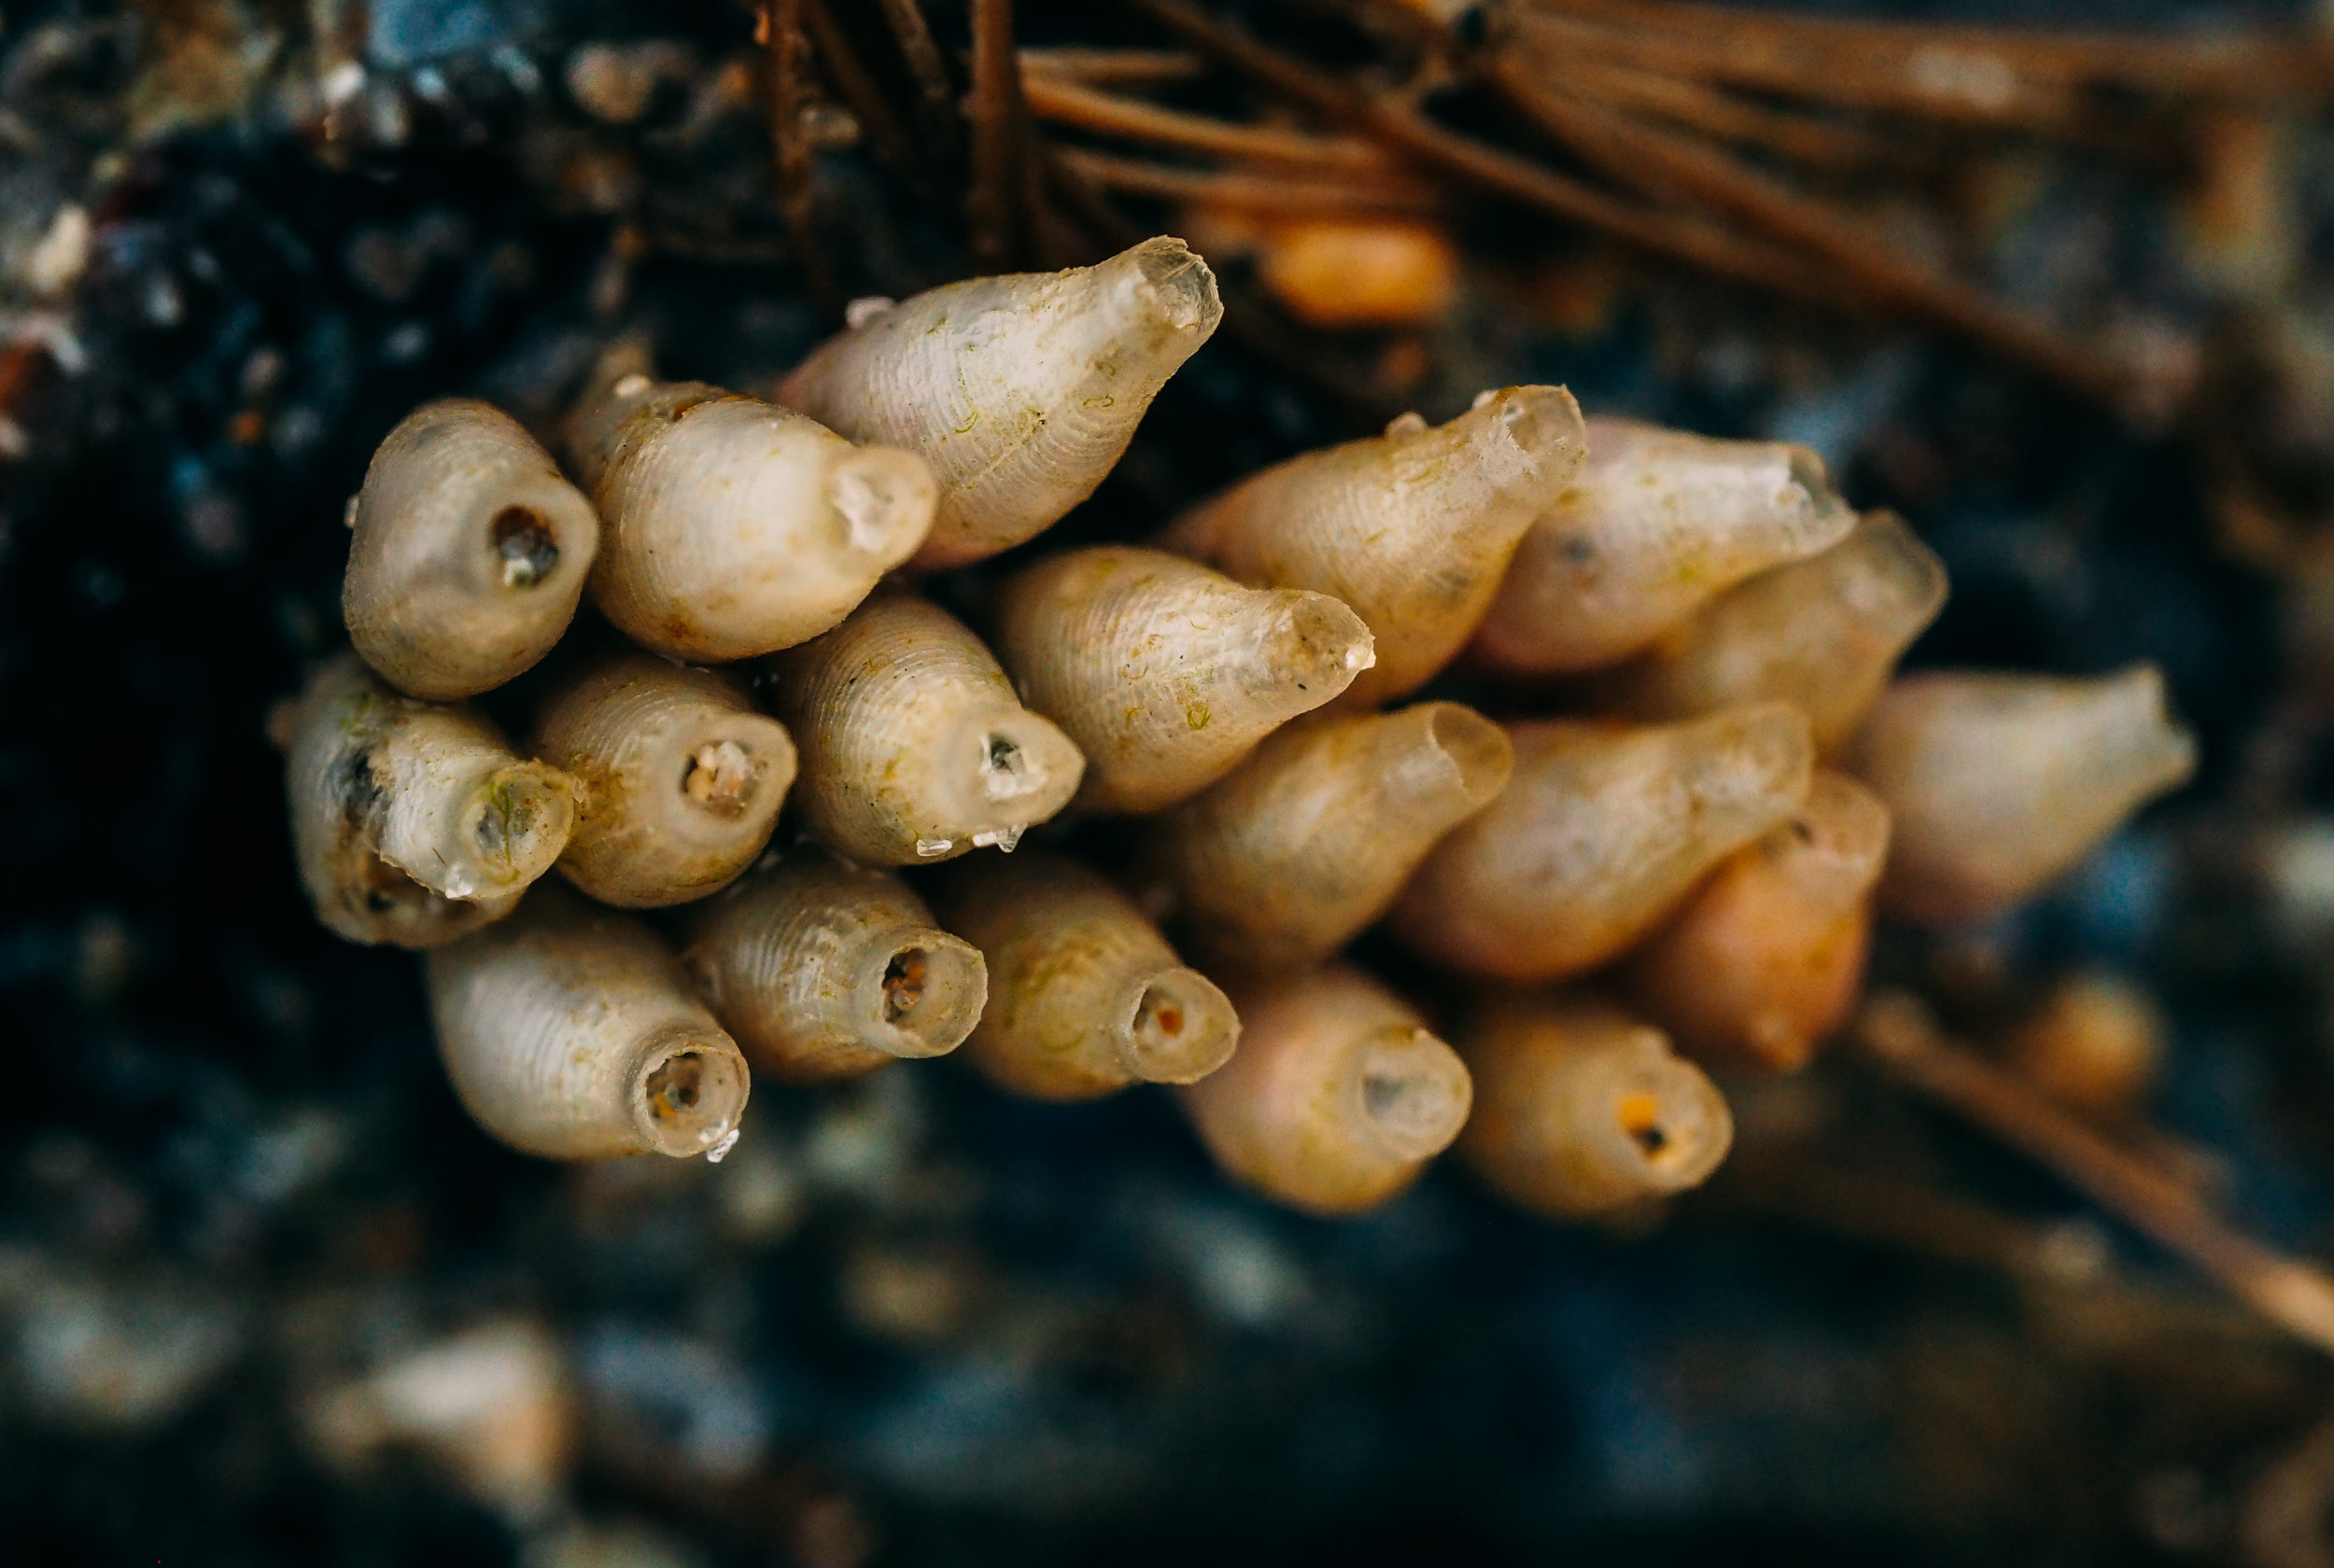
point(720, 777)
point(1416, 1093)
point(675, 1088)
point(691, 1098)
point(1182, 1029)
point(1004, 770)
point(880, 497)
point(1641, 1116)
point(903, 980)
point(523, 542)
point(1477, 748)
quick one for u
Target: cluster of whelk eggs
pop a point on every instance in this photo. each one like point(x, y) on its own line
point(1708, 837)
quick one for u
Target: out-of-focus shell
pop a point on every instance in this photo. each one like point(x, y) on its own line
point(571, 1032)
point(412, 824)
point(914, 745)
point(735, 526)
point(1165, 673)
point(680, 779)
point(1581, 1108)
point(1999, 782)
point(822, 970)
point(1656, 522)
point(1768, 956)
point(1337, 1097)
point(1285, 861)
point(1411, 529)
point(1021, 391)
point(1602, 831)
point(1085, 996)
point(2096, 1043)
point(1822, 634)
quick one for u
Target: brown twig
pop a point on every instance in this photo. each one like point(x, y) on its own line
point(935, 94)
point(1069, 104)
point(859, 90)
point(1248, 191)
point(784, 48)
point(2249, 66)
point(994, 207)
point(1640, 154)
point(1822, 143)
point(1112, 67)
point(1406, 130)
point(1897, 1032)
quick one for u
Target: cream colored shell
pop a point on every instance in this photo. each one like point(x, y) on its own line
point(1085, 996)
point(1603, 830)
point(1337, 1097)
point(1166, 674)
point(1021, 391)
point(1288, 858)
point(735, 526)
point(1822, 634)
point(1997, 782)
point(411, 822)
point(1581, 1108)
point(468, 551)
point(1411, 530)
point(1767, 958)
point(914, 745)
point(822, 970)
point(1656, 522)
point(571, 1032)
point(680, 778)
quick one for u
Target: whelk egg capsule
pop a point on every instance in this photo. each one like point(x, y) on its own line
point(1021, 391)
point(1602, 831)
point(1581, 1108)
point(1286, 859)
point(1165, 673)
point(1338, 1095)
point(680, 778)
point(571, 1032)
point(1085, 996)
point(468, 554)
point(735, 526)
point(1822, 634)
point(1656, 522)
point(412, 822)
point(1411, 529)
point(914, 747)
point(1767, 958)
point(1997, 782)
point(822, 970)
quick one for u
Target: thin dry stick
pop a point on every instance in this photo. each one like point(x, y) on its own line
point(993, 208)
point(1898, 1213)
point(1636, 153)
point(1897, 1031)
point(886, 131)
point(1113, 67)
point(784, 50)
point(1939, 87)
point(2251, 65)
point(1249, 191)
point(1068, 103)
point(1699, 106)
point(929, 71)
point(1488, 168)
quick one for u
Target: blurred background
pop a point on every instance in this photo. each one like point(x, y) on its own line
point(267, 1298)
